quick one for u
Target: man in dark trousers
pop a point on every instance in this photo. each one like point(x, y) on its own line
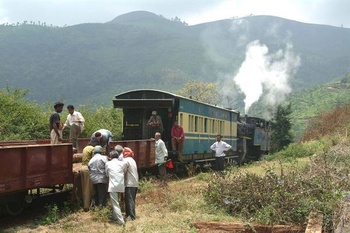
point(131, 184)
point(220, 147)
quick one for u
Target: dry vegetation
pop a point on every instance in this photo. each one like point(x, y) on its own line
point(159, 209)
point(329, 124)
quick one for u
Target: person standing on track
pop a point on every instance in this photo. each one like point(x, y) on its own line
point(56, 124)
point(220, 147)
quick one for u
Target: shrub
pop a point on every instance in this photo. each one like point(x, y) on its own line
point(301, 150)
point(283, 197)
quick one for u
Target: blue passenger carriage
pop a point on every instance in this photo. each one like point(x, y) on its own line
point(200, 121)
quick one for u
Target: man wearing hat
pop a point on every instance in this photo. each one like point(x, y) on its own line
point(55, 124)
point(97, 172)
point(155, 124)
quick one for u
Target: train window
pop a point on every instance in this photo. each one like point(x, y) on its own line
point(200, 124)
point(181, 119)
point(222, 126)
point(234, 117)
point(205, 125)
point(209, 125)
point(190, 119)
point(195, 124)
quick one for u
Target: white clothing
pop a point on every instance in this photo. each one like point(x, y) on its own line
point(117, 213)
point(219, 148)
point(121, 157)
point(75, 119)
point(115, 170)
point(54, 137)
point(131, 176)
point(97, 168)
point(161, 151)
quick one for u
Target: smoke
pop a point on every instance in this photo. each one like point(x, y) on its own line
point(268, 73)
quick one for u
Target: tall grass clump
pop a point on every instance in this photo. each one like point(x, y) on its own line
point(301, 150)
point(286, 195)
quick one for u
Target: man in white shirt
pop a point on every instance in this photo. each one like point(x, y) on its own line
point(161, 156)
point(220, 147)
point(131, 184)
point(115, 170)
point(75, 122)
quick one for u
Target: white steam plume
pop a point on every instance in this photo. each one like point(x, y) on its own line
point(266, 72)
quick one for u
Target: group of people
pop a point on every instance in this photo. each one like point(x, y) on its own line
point(115, 174)
point(177, 142)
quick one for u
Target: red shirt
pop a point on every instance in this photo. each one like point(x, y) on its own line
point(177, 132)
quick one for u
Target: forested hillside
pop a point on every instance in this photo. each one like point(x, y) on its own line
point(90, 63)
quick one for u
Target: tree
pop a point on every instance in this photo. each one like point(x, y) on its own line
point(19, 118)
point(201, 91)
point(281, 135)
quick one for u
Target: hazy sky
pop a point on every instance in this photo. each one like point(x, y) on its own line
point(71, 12)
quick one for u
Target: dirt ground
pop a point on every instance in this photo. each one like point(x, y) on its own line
point(158, 209)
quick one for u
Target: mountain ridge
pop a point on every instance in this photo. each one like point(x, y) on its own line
point(155, 52)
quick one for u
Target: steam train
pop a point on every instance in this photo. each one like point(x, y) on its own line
point(32, 165)
point(248, 136)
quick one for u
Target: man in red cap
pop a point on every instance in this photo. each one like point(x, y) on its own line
point(131, 184)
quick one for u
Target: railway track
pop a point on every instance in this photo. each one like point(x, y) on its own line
point(35, 209)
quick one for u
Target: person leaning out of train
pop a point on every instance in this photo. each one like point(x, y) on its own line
point(161, 156)
point(75, 123)
point(131, 184)
point(177, 139)
point(155, 124)
point(97, 171)
point(219, 147)
point(115, 170)
point(56, 124)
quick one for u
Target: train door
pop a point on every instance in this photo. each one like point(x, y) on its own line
point(132, 124)
point(167, 117)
